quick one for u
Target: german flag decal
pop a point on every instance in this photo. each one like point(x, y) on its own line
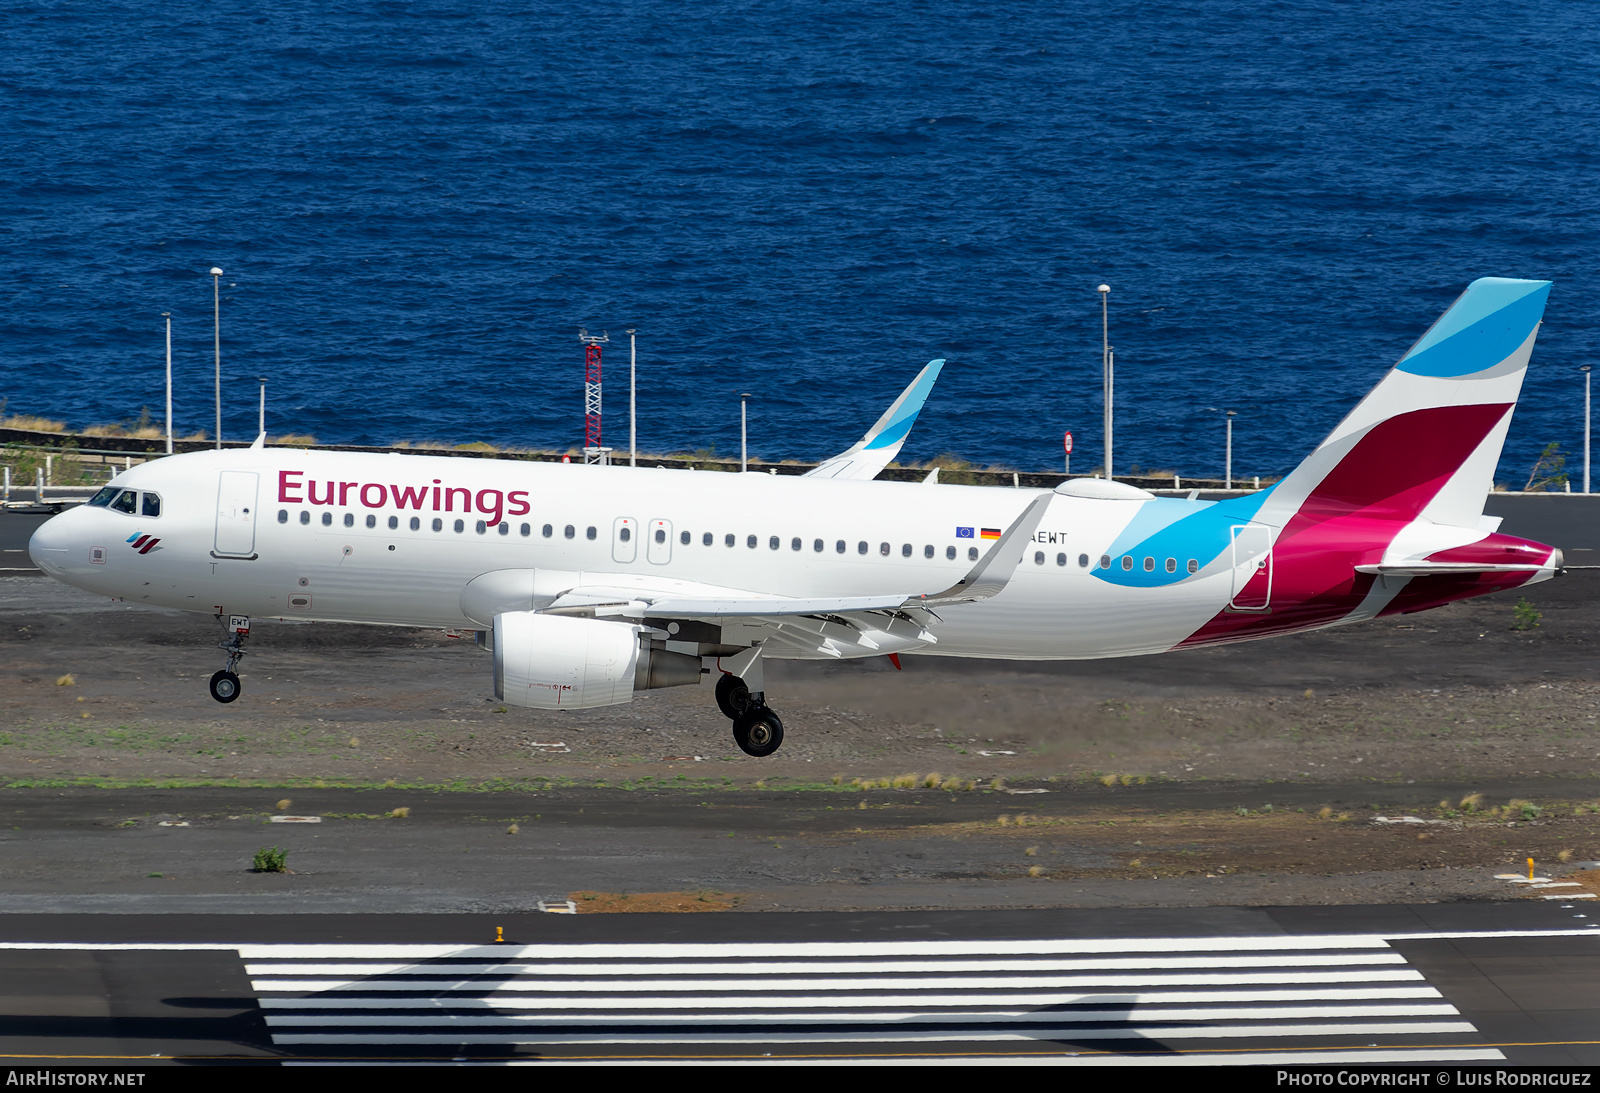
point(991, 533)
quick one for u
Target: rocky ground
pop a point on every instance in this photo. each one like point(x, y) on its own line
point(1246, 773)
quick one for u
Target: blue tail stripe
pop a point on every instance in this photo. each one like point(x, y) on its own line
point(1481, 329)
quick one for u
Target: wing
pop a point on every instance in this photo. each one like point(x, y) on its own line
point(872, 453)
point(803, 627)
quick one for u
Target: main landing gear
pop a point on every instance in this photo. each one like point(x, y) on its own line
point(225, 684)
point(756, 729)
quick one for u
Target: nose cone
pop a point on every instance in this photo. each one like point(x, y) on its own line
point(50, 544)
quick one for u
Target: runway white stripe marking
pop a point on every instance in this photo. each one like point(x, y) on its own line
point(1370, 1056)
point(826, 949)
point(1066, 1032)
point(1138, 1013)
point(834, 1001)
point(818, 967)
point(259, 951)
point(714, 986)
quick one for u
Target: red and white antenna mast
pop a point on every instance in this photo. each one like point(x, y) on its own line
point(592, 451)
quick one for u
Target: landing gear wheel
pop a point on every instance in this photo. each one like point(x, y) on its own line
point(733, 697)
point(758, 731)
point(225, 687)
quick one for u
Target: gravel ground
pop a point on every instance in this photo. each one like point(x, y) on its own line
point(1332, 730)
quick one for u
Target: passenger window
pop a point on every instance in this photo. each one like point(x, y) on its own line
point(838, 548)
point(481, 527)
point(505, 527)
point(707, 539)
point(773, 542)
point(1083, 561)
point(1172, 565)
point(1194, 566)
point(461, 525)
point(128, 502)
point(927, 551)
point(816, 545)
point(327, 519)
point(569, 531)
point(727, 540)
point(283, 516)
point(624, 534)
point(794, 544)
point(372, 521)
point(861, 548)
point(750, 542)
point(1149, 565)
point(438, 524)
point(972, 554)
point(527, 529)
point(349, 519)
point(1038, 557)
point(1105, 561)
point(152, 504)
point(1061, 559)
point(1127, 561)
point(590, 533)
point(905, 550)
point(394, 522)
point(950, 552)
point(684, 537)
point(883, 549)
point(416, 523)
point(661, 535)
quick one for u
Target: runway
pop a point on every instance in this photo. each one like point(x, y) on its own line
point(1463, 985)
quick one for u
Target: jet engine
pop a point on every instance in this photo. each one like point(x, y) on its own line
point(557, 662)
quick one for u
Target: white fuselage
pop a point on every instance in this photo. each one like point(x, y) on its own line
point(317, 543)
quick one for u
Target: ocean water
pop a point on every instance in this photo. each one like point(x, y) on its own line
point(417, 205)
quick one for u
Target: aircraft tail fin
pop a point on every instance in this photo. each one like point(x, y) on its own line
point(872, 453)
point(1424, 443)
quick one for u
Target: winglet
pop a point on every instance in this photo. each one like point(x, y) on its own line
point(872, 453)
point(260, 443)
point(993, 571)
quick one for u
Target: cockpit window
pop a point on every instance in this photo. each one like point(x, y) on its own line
point(127, 501)
point(152, 504)
point(103, 498)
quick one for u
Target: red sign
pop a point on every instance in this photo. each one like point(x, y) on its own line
point(1066, 442)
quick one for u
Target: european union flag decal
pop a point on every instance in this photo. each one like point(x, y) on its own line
point(963, 533)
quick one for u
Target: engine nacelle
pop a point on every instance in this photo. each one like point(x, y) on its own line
point(556, 662)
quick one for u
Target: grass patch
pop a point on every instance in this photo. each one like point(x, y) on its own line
point(270, 859)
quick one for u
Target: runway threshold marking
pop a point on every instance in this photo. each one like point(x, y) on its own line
point(1184, 994)
point(790, 996)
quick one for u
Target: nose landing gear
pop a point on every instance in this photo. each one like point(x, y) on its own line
point(225, 684)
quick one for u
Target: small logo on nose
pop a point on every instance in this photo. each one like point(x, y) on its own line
point(144, 544)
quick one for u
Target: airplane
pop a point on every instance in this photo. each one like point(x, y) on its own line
point(591, 584)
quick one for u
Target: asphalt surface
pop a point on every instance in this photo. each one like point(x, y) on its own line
point(1465, 984)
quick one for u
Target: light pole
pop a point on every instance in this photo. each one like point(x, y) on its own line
point(633, 410)
point(744, 436)
point(1227, 458)
point(1585, 371)
point(216, 327)
point(1106, 370)
point(261, 425)
point(167, 315)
